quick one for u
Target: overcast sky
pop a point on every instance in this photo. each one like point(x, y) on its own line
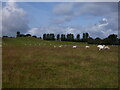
point(99, 19)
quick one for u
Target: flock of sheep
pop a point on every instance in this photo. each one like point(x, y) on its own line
point(100, 47)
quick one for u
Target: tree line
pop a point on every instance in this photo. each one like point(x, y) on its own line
point(110, 40)
point(68, 37)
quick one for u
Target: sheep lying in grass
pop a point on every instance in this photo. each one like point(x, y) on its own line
point(87, 46)
point(74, 46)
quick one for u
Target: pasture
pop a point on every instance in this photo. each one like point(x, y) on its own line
point(35, 63)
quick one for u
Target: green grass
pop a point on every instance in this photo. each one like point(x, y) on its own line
point(39, 65)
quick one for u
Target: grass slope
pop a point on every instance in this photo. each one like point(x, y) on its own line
point(35, 63)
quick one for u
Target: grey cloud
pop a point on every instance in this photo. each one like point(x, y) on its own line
point(98, 30)
point(13, 19)
point(63, 8)
point(103, 21)
point(78, 9)
point(97, 9)
point(103, 28)
point(63, 19)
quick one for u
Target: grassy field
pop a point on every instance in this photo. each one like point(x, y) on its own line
point(35, 63)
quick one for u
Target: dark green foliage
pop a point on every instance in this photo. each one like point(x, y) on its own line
point(5, 36)
point(48, 36)
point(90, 40)
point(58, 37)
point(94, 41)
point(22, 35)
point(113, 37)
point(34, 36)
point(70, 37)
point(18, 34)
point(52, 36)
point(85, 37)
point(63, 38)
point(44, 36)
point(110, 40)
point(98, 41)
point(28, 35)
point(78, 37)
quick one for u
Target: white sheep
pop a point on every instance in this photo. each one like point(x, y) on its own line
point(54, 46)
point(101, 47)
point(74, 46)
point(87, 46)
point(60, 46)
point(106, 47)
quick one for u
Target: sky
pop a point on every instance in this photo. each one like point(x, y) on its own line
point(99, 19)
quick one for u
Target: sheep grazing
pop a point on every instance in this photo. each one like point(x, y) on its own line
point(60, 46)
point(87, 46)
point(74, 46)
point(101, 47)
point(54, 46)
point(106, 47)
